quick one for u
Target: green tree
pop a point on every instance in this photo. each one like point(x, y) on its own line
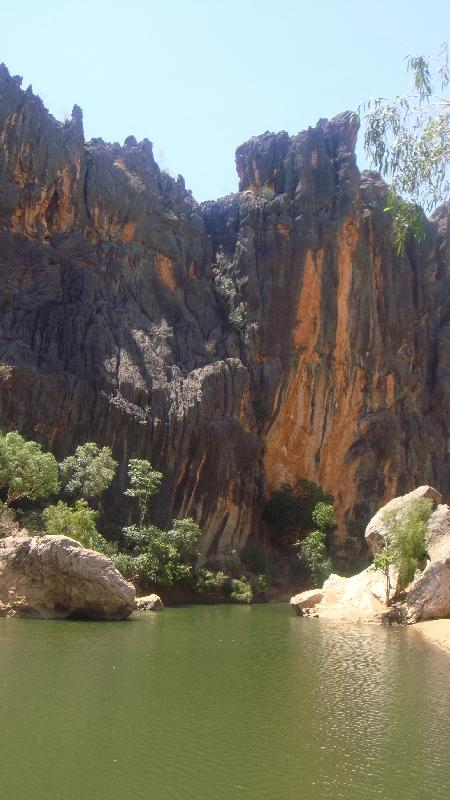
point(144, 483)
point(163, 557)
point(313, 551)
point(407, 138)
point(383, 561)
point(89, 471)
point(324, 516)
point(404, 543)
point(77, 522)
point(25, 471)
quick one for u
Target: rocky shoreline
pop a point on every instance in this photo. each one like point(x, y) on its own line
point(362, 598)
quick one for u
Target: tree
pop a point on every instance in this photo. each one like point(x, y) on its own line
point(144, 483)
point(407, 138)
point(89, 471)
point(313, 548)
point(78, 522)
point(384, 561)
point(25, 471)
point(162, 557)
point(323, 516)
point(404, 543)
point(313, 552)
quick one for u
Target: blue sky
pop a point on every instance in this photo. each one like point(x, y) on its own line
point(198, 78)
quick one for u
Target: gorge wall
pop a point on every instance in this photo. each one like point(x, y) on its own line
point(269, 335)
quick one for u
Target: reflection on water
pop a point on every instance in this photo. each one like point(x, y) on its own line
point(218, 703)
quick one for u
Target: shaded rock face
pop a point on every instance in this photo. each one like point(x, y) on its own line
point(270, 335)
point(54, 577)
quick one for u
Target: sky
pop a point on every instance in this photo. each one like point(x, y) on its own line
point(199, 77)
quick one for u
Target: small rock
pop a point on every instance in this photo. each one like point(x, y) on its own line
point(306, 600)
point(150, 602)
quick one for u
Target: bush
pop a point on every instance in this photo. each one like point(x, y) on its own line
point(208, 580)
point(259, 584)
point(124, 563)
point(8, 521)
point(77, 522)
point(163, 557)
point(255, 559)
point(241, 590)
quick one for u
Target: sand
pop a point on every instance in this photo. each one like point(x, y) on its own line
point(436, 631)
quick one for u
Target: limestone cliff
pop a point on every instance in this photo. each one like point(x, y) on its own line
point(270, 335)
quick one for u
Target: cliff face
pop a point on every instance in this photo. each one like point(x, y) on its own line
point(271, 335)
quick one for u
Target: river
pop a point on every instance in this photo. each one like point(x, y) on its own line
point(221, 703)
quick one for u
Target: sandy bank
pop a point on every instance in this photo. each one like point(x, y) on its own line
point(436, 631)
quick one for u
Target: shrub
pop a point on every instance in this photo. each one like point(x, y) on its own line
point(124, 563)
point(164, 557)
point(238, 321)
point(259, 584)
point(208, 580)
point(77, 522)
point(241, 590)
point(8, 523)
point(255, 559)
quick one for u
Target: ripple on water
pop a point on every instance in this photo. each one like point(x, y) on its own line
point(219, 703)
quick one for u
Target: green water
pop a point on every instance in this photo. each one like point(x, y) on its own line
point(221, 702)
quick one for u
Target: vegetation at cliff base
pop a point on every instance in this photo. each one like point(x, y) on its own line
point(313, 548)
point(143, 553)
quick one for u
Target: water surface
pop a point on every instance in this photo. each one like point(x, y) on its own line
point(221, 703)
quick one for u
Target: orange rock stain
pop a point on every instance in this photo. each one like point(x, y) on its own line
point(316, 425)
point(165, 269)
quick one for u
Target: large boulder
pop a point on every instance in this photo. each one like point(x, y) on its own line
point(376, 529)
point(428, 597)
point(356, 599)
point(54, 577)
point(362, 597)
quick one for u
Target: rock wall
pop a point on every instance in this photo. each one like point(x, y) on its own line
point(270, 335)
